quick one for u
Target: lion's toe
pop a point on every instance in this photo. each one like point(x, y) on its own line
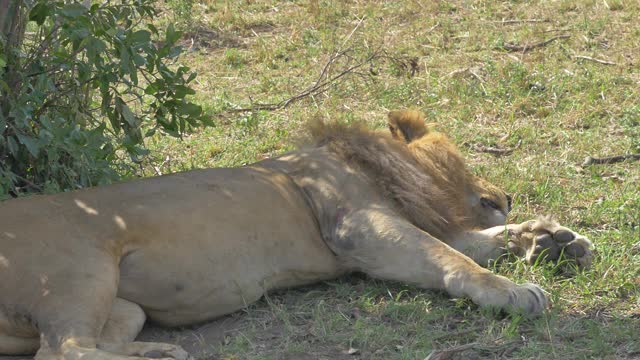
point(550, 242)
point(581, 251)
point(564, 236)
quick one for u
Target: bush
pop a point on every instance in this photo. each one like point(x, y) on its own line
point(82, 91)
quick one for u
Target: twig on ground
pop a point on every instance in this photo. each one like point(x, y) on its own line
point(528, 47)
point(494, 150)
point(447, 354)
point(324, 80)
point(158, 169)
point(433, 27)
point(519, 21)
point(589, 160)
point(471, 71)
point(508, 351)
point(322, 84)
point(599, 61)
point(456, 334)
point(346, 40)
point(457, 72)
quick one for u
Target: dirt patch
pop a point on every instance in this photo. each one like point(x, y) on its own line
point(201, 341)
point(208, 40)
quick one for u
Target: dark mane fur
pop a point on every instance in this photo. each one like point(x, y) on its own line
point(418, 184)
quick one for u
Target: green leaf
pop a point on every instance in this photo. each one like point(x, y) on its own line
point(39, 13)
point(189, 109)
point(140, 36)
point(152, 28)
point(95, 49)
point(73, 10)
point(124, 59)
point(139, 60)
point(172, 35)
point(175, 51)
point(127, 114)
point(182, 91)
point(151, 89)
point(84, 72)
point(31, 144)
point(13, 145)
point(3, 62)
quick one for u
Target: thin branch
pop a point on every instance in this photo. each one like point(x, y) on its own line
point(519, 21)
point(449, 353)
point(321, 85)
point(158, 169)
point(50, 102)
point(433, 28)
point(28, 182)
point(473, 73)
point(528, 47)
point(494, 150)
point(589, 160)
point(599, 61)
point(344, 42)
point(324, 80)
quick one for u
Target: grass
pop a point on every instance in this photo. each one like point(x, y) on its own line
point(447, 59)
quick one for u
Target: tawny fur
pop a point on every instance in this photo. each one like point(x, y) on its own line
point(428, 178)
point(81, 271)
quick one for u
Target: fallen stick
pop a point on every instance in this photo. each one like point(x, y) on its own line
point(599, 61)
point(589, 160)
point(446, 354)
point(519, 21)
point(494, 150)
point(322, 84)
point(528, 47)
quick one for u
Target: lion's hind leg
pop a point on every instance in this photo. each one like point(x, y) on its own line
point(79, 316)
point(16, 345)
point(124, 324)
point(116, 341)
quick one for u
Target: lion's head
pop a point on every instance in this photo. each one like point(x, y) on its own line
point(422, 171)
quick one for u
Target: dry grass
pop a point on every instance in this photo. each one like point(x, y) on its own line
point(472, 67)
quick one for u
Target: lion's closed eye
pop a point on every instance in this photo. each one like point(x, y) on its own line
point(487, 203)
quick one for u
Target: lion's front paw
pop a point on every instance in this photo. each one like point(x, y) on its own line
point(546, 240)
point(500, 292)
point(529, 298)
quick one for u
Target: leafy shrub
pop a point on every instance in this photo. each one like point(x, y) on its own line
point(83, 89)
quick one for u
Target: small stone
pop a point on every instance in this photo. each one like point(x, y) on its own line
point(353, 351)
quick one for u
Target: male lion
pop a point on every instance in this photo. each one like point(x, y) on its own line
point(81, 271)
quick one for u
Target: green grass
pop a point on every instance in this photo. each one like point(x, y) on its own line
point(446, 59)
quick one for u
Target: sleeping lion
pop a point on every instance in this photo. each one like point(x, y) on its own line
point(80, 272)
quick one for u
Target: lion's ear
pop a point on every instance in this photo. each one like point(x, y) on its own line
point(407, 125)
